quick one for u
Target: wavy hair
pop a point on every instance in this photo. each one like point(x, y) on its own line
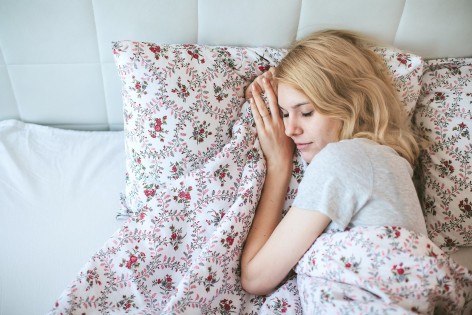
point(345, 79)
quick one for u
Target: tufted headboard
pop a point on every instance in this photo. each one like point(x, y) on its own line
point(57, 69)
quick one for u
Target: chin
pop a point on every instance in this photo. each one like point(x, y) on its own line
point(307, 158)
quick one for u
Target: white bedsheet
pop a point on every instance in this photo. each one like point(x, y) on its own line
point(59, 193)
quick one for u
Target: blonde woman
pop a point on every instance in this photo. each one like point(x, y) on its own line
point(332, 99)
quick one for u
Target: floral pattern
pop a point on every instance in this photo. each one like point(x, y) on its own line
point(444, 117)
point(180, 253)
point(406, 70)
point(180, 102)
point(195, 172)
point(381, 270)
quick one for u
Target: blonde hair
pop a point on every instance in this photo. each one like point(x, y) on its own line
point(345, 79)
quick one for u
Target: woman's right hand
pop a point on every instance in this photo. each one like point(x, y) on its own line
point(278, 148)
point(257, 83)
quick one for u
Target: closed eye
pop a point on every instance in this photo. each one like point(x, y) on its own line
point(285, 115)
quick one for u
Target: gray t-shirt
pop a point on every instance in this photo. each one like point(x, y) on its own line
point(359, 182)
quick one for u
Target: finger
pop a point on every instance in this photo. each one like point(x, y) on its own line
point(272, 80)
point(256, 84)
point(271, 98)
point(248, 92)
point(256, 115)
point(267, 74)
point(261, 105)
point(270, 76)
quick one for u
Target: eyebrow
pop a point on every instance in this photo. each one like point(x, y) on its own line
point(296, 105)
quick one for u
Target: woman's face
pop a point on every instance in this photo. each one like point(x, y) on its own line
point(310, 130)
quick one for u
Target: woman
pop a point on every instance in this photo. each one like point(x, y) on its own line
point(334, 101)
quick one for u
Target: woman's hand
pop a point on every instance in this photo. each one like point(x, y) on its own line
point(257, 83)
point(277, 147)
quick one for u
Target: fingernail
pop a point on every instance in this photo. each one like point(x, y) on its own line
point(253, 87)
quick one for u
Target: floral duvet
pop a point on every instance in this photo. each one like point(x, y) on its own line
point(180, 255)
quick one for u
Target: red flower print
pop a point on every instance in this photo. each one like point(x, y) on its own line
point(439, 96)
point(176, 237)
point(400, 272)
point(156, 128)
point(229, 240)
point(155, 49)
point(264, 68)
point(465, 206)
point(446, 168)
point(126, 302)
point(281, 305)
point(149, 192)
point(403, 59)
point(184, 195)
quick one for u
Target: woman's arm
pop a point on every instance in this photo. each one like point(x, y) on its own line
point(267, 217)
point(263, 268)
point(272, 249)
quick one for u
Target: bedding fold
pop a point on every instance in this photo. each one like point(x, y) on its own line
point(180, 255)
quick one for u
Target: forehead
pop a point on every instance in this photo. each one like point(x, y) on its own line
point(289, 97)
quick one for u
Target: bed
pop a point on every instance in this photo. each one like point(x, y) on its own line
point(74, 176)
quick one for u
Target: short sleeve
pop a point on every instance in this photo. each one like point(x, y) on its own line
point(338, 182)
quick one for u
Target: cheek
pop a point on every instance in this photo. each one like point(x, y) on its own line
point(337, 129)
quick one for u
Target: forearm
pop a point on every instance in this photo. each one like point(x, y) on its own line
point(266, 219)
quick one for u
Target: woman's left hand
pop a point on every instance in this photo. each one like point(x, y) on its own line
point(278, 148)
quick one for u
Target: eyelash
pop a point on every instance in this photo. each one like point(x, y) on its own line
point(307, 114)
point(303, 114)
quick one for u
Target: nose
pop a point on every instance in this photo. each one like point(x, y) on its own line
point(292, 128)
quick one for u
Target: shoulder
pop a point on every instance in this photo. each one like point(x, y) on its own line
point(344, 161)
point(352, 152)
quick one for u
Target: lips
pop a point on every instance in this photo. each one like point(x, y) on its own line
point(302, 146)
